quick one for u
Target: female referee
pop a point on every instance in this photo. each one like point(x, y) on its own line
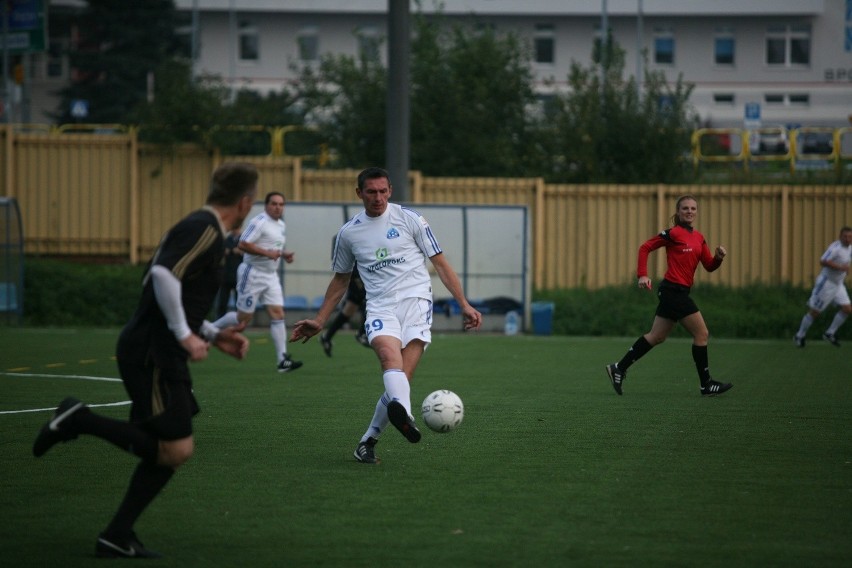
point(685, 248)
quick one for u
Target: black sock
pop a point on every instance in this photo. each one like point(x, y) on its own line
point(126, 435)
point(335, 325)
point(699, 355)
point(145, 484)
point(639, 348)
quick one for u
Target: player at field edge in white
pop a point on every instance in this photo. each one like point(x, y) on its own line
point(830, 288)
point(262, 242)
point(390, 245)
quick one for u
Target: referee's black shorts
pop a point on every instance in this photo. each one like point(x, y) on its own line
point(163, 402)
point(675, 302)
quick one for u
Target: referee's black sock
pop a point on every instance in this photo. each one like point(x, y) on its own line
point(145, 484)
point(126, 435)
point(639, 348)
point(699, 355)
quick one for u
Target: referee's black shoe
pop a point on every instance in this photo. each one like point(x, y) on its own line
point(58, 429)
point(713, 388)
point(122, 547)
point(399, 417)
point(616, 376)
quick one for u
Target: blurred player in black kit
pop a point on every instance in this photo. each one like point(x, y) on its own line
point(167, 331)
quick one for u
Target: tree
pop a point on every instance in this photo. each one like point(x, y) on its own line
point(603, 131)
point(469, 94)
point(345, 99)
point(120, 43)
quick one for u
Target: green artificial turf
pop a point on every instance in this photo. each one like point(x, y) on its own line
point(549, 468)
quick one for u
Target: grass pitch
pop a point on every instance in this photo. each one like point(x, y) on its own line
point(549, 468)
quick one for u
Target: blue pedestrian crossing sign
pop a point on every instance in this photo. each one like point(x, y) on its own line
point(752, 115)
point(752, 111)
point(79, 108)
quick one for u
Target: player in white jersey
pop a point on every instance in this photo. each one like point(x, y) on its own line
point(262, 242)
point(390, 245)
point(830, 289)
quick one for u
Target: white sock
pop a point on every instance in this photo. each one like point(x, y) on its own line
point(380, 419)
point(805, 325)
point(838, 320)
point(228, 320)
point(397, 388)
point(278, 330)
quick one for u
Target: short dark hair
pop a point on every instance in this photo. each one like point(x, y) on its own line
point(272, 194)
point(231, 182)
point(372, 173)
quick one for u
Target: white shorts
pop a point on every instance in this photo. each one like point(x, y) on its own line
point(825, 292)
point(257, 288)
point(410, 319)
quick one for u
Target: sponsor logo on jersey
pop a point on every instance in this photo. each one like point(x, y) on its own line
point(383, 260)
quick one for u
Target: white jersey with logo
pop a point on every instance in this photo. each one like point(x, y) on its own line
point(829, 287)
point(267, 233)
point(838, 254)
point(390, 251)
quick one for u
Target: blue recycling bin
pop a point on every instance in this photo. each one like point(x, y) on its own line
point(542, 317)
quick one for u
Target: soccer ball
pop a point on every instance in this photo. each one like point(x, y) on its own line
point(443, 411)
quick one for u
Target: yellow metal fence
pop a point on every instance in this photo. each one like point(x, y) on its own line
point(108, 195)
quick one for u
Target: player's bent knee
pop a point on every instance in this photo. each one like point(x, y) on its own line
point(176, 453)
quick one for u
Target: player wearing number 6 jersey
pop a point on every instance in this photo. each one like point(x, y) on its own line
point(258, 283)
point(685, 249)
point(389, 244)
point(830, 289)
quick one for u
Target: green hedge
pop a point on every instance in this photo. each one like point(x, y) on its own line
point(63, 293)
point(755, 311)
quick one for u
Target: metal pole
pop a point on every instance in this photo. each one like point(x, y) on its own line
point(604, 40)
point(232, 44)
point(7, 99)
point(398, 119)
point(640, 67)
point(195, 42)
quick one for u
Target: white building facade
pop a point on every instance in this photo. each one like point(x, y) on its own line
point(790, 61)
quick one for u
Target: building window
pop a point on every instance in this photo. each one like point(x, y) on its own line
point(249, 42)
point(723, 98)
point(308, 40)
point(664, 47)
point(53, 63)
point(787, 99)
point(544, 43)
point(724, 47)
point(368, 44)
point(788, 46)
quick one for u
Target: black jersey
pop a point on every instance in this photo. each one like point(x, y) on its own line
point(192, 250)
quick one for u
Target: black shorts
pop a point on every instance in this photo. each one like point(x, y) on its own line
point(675, 302)
point(355, 293)
point(163, 402)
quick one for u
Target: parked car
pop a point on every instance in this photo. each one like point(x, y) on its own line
point(773, 141)
point(816, 143)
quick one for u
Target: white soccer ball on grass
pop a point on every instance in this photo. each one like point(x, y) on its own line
point(442, 410)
